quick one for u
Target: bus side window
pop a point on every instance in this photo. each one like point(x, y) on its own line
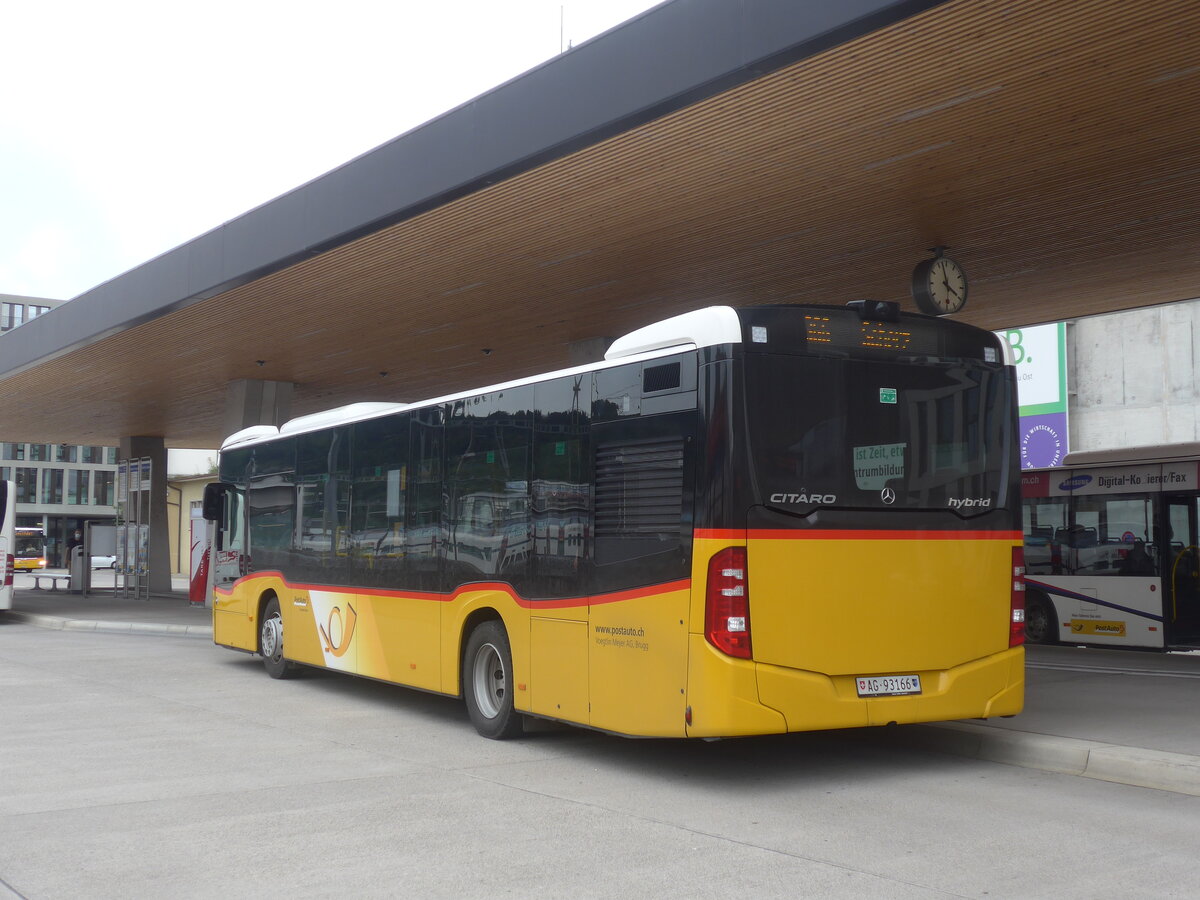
point(378, 539)
point(1045, 521)
point(489, 438)
point(561, 500)
point(223, 505)
point(233, 524)
point(424, 531)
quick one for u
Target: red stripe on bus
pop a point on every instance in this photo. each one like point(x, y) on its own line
point(850, 534)
point(501, 587)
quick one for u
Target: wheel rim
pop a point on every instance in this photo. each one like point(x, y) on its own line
point(488, 680)
point(1037, 624)
point(272, 637)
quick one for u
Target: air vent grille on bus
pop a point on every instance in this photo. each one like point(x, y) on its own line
point(639, 487)
point(660, 378)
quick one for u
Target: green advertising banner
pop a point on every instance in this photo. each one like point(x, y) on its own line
point(1040, 352)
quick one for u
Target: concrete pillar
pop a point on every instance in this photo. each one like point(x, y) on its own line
point(154, 449)
point(251, 402)
point(589, 350)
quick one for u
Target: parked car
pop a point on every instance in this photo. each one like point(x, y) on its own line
point(104, 562)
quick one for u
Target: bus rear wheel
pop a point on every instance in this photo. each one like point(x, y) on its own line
point(270, 642)
point(488, 682)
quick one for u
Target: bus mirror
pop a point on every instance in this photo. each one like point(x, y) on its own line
point(214, 501)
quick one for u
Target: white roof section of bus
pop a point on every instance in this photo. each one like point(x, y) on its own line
point(250, 435)
point(338, 415)
point(702, 328)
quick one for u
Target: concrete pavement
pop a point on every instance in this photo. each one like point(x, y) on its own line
point(1113, 715)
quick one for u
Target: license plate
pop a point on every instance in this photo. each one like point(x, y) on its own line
point(888, 685)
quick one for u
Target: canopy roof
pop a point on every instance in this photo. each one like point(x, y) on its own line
point(704, 153)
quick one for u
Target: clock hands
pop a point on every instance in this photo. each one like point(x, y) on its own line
point(941, 267)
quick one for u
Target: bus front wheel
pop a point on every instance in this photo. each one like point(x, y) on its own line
point(270, 642)
point(488, 682)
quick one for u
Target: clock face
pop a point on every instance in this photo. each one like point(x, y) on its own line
point(939, 286)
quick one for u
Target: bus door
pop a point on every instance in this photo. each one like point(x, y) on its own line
point(1181, 576)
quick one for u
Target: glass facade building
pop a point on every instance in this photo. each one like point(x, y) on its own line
point(59, 487)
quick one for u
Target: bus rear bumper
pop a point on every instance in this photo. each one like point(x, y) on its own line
point(729, 697)
point(981, 688)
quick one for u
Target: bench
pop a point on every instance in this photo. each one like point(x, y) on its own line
point(54, 581)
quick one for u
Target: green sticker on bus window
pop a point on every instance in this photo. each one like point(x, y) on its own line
point(560, 448)
point(491, 456)
point(887, 395)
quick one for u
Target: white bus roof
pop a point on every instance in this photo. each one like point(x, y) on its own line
point(701, 328)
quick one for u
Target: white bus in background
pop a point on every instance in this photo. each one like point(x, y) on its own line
point(8, 520)
point(1112, 549)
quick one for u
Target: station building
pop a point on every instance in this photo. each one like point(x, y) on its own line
point(59, 486)
point(16, 310)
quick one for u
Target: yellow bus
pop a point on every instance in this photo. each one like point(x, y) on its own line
point(741, 521)
point(30, 552)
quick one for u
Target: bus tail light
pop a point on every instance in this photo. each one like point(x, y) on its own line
point(10, 567)
point(1016, 635)
point(727, 603)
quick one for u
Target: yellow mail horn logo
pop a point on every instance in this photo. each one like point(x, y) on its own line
point(344, 630)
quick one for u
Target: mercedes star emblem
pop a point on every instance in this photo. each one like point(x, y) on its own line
point(888, 495)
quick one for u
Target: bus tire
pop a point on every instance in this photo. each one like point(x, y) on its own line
point(270, 642)
point(1040, 620)
point(487, 679)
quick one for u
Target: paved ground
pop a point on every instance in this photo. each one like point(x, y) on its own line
point(1120, 716)
point(136, 766)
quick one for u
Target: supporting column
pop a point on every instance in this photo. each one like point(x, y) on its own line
point(159, 564)
point(250, 402)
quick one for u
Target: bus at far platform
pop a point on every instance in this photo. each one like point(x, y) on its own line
point(742, 521)
point(1112, 547)
point(30, 549)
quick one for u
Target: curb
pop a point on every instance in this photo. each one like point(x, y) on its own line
point(58, 623)
point(1156, 769)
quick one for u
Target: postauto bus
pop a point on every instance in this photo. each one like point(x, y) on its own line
point(741, 521)
point(1112, 544)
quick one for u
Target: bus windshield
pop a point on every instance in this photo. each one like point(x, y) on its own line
point(929, 434)
point(28, 546)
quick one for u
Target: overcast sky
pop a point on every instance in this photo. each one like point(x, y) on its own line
point(128, 127)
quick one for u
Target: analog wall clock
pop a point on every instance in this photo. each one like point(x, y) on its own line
point(939, 286)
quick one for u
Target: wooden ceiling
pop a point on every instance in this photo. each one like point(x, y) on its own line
point(1052, 146)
